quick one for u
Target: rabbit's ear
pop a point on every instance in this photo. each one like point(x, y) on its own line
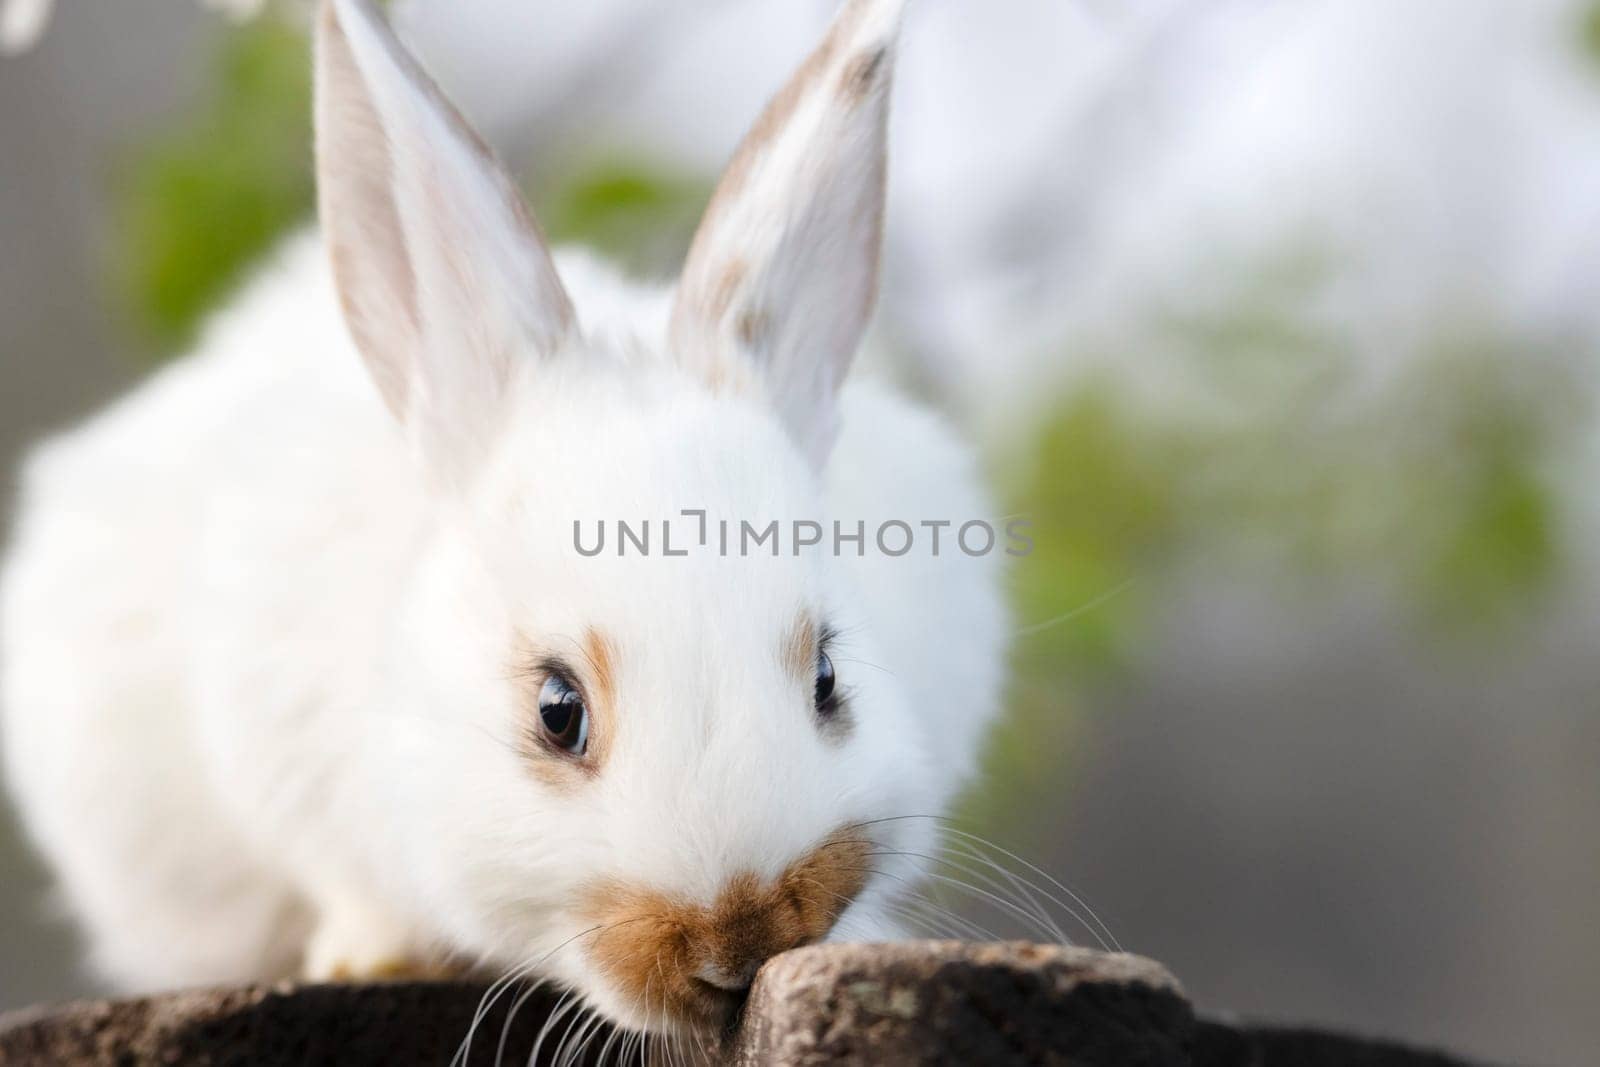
point(443, 275)
point(782, 275)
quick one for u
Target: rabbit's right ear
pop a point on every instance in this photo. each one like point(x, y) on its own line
point(444, 278)
point(782, 275)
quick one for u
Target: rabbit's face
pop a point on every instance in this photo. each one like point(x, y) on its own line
point(643, 773)
point(695, 763)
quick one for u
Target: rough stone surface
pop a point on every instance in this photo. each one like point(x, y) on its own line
point(392, 1023)
point(1217, 1045)
point(947, 1002)
point(914, 1003)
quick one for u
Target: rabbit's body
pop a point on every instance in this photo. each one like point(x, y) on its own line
point(198, 580)
point(299, 673)
point(201, 588)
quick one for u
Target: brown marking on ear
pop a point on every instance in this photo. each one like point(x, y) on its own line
point(721, 375)
point(861, 75)
point(726, 377)
point(666, 944)
point(752, 328)
point(715, 329)
point(726, 287)
point(774, 118)
point(596, 676)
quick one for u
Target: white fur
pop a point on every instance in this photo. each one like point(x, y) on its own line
point(259, 711)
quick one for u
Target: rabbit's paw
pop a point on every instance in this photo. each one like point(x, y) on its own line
point(357, 945)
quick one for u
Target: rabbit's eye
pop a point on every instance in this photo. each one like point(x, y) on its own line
point(563, 715)
point(826, 704)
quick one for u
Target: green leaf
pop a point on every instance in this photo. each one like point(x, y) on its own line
point(1589, 31)
point(199, 205)
point(635, 213)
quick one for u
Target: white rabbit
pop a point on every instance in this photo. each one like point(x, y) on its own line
point(305, 671)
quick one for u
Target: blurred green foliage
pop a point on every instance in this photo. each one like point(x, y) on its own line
point(1097, 495)
point(1590, 30)
point(199, 204)
point(1433, 481)
point(637, 214)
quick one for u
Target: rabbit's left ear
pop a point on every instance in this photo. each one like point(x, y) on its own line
point(444, 278)
point(782, 275)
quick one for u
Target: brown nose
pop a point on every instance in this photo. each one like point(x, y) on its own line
point(732, 979)
point(748, 925)
point(683, 962)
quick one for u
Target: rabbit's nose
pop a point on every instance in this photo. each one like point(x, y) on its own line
point(733, 979)
point(735, 951)
point(696, 961)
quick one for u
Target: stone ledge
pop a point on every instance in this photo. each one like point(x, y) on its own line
point(918, 1002)
point(948, 1002)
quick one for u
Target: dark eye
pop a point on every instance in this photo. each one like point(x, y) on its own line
point(824, 691)
point(561, 711)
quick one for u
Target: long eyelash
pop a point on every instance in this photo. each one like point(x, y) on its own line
point(836, 710)
point(594, 671)
point(835, 642)
point(827, 634)
point(553, 667)
point(531, 661)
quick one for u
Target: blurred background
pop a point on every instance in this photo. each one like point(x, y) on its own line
point(1279, 318)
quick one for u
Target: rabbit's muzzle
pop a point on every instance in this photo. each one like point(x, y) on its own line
point(691, 964)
